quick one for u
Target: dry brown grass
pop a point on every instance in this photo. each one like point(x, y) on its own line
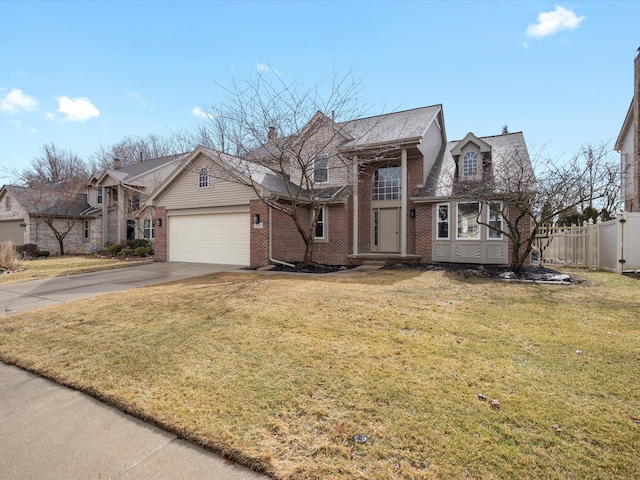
point(281, 372)
point(59, 266)
point(9, 259)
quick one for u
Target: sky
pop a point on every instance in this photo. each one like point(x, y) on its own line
point(85, 74)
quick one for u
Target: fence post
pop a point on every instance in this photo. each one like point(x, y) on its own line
point(621, 220)
point(588, 246)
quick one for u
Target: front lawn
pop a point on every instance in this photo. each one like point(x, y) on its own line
point(59, 266)
point(281, 372)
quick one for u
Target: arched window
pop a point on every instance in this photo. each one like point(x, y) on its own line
point(470, 165)
point(204, 178)
point(387, 183)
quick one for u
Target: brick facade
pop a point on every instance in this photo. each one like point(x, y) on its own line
point(160, 240)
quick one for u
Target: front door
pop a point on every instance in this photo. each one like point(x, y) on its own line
point(389, 228)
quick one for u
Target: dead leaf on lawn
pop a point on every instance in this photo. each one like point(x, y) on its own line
point(495, 404)
point(338, 428)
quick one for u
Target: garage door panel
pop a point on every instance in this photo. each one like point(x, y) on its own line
point(210, 238)
point(11, 231)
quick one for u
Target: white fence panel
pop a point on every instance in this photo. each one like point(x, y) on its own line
point(607, 235)
point(613, 245)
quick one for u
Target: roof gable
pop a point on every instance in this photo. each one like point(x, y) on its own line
point(470, 138)
point(408, 126)
point(628, 122)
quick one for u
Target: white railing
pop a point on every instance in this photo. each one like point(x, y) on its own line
point(613, 245)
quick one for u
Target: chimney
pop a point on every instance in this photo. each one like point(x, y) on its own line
point(117, 164)
point(273, 134)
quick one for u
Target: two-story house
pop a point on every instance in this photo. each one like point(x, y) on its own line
point(628, 144)
point(388, 188)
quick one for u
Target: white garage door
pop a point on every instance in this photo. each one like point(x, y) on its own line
point(211, 238)
point(11, 231)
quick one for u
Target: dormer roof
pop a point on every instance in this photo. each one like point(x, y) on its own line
point(470, 138)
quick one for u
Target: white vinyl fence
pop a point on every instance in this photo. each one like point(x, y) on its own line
point(613, 245)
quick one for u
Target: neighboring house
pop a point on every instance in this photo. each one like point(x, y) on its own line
point(400, 206)
point(628, 144)
point(107, 212)
point(24, 214)
point(116, 195)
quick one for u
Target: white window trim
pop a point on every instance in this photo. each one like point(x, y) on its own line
point(477, 157)
point(458, 237)
point(151, 228)
point(499, 217)
point(99, 195)
point(448, 237)
point(323, 212)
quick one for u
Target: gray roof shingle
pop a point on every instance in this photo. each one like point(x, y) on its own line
point(508, 154)
point(395, 127)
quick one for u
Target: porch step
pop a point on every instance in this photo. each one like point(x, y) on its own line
point(369, 265)
point(380, 263)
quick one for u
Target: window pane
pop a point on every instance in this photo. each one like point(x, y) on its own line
point(495, 220)
point(468, 220)
point(320, 224)
point(470, 167)
point(387, 183)
point(204, 178)
point(443, 221)
point(320, 165)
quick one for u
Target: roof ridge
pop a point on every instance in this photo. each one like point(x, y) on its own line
point(390, 113)
point(489, 136)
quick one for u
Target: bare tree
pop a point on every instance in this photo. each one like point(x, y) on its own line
point(53, 189)
point(58, 206)
point(283, 129)
point(133, 149)
point(53, 166)
point(521, 201)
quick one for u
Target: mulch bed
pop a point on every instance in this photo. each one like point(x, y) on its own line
point(531, 274)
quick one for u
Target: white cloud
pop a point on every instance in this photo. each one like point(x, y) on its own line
point(138, 98)
point(553, 22)
point(77, 109)
point(263, 67)
point(200, 113)
point(15, 100)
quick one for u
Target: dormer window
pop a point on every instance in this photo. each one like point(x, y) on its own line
point(470, 164)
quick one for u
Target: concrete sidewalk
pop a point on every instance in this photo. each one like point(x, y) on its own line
point(52, 432)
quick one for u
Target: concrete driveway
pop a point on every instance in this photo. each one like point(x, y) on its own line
point(50, 431)
point(20, 297)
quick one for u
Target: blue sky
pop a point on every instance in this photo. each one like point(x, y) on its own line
point(85, 74)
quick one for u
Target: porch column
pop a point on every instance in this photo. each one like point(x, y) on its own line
point(356, 212)
point(404, 203)
point(105, 217)
point(120, 211)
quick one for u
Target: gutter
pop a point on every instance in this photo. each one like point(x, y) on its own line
point(271, 259)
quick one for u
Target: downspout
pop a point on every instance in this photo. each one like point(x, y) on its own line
point(271, 259)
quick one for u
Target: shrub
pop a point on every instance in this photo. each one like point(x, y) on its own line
point(141, 251)
point(115, 249)
point(9, 257)
point(29, 250)
point(124, 252)
point(43, 253)
point(141, 242)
